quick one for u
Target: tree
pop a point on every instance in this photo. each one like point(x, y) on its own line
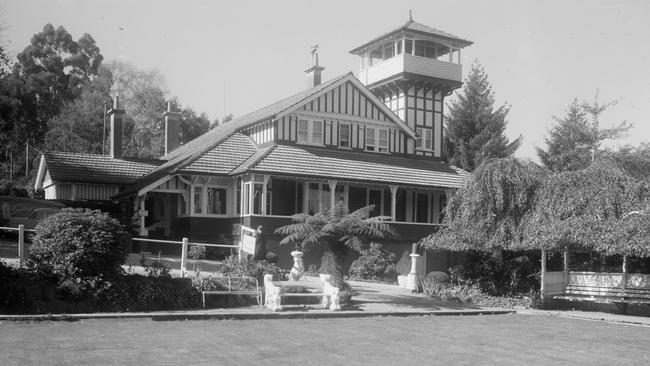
point(80, 126)
point(474, 130)
point(143, 97)
point(487, 214)
point(339, 230)
point(599, 208)
point(634, 159)
point(576, 140)
point(192, 125)
point(48, 74)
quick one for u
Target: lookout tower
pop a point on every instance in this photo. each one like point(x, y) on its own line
point(412, 68)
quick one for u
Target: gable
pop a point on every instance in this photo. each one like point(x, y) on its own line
point(351, 99)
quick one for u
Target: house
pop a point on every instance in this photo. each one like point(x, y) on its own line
point(373, 139)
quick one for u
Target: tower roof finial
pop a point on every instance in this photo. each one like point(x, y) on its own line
point(410, 15)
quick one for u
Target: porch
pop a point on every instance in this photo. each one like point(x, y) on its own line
point(211, 209)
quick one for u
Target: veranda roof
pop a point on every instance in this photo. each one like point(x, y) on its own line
point(333, 163)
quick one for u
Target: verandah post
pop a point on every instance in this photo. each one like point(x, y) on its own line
point(184, 256)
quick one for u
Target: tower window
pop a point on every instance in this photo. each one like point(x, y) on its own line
point(424, 139)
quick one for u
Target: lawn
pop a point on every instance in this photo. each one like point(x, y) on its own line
point(470, 340)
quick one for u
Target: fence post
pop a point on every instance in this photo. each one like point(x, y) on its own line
point(184, 256)
point(241, 245)
point(542, 280)
point(21, 244)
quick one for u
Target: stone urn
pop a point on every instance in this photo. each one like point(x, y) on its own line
point(298, 265)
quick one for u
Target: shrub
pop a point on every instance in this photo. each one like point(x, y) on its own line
point(232, 267)
point(196, 252)
point(345, 293)
point(472, 294)
point(79, 243)
point(375, 263)
point(512, 273)
point(139, 293)
point(404, 263)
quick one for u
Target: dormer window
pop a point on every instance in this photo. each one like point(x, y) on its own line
point(310, 132)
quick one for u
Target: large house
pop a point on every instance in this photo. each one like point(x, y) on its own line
point(372, 139)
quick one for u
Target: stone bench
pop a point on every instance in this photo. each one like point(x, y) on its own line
point(275, 291)
point(236, 286)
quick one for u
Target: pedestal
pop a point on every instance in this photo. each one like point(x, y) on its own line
point(412, 279)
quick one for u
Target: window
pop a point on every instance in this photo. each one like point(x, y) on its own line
point(383, 141)
point(344, 135)
point(198, 199)
point(303, 130)
point(310, 132)
point(370, 139)
point(408, 46)
point(424, 139)
point(247, 199)
point(389, 51)
point(317, 132)
point(216, 201)
point(376, 139)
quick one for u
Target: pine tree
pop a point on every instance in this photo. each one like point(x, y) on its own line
point(576, 140)
point(474, 130)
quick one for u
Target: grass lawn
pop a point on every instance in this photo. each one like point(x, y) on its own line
point(471, 340)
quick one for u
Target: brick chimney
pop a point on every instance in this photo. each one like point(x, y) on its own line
point(314, 72)
point(117, 117)
point(171, 129)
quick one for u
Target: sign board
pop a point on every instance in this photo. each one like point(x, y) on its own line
point(143, 213)
point(248, 244)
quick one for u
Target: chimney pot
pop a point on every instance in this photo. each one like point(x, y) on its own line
point(117, 116)
point(171, 129)
point(314, 72)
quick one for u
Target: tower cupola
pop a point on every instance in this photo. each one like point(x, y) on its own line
point(412, 51)
point(411, 69)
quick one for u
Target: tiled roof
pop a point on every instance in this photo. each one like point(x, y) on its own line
point(225, 157)
point(211, 138)
point(417, 28)
point(75, 167)
point(317, 162)
point(186, 154)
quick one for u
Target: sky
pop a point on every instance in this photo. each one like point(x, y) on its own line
point(223, 57)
